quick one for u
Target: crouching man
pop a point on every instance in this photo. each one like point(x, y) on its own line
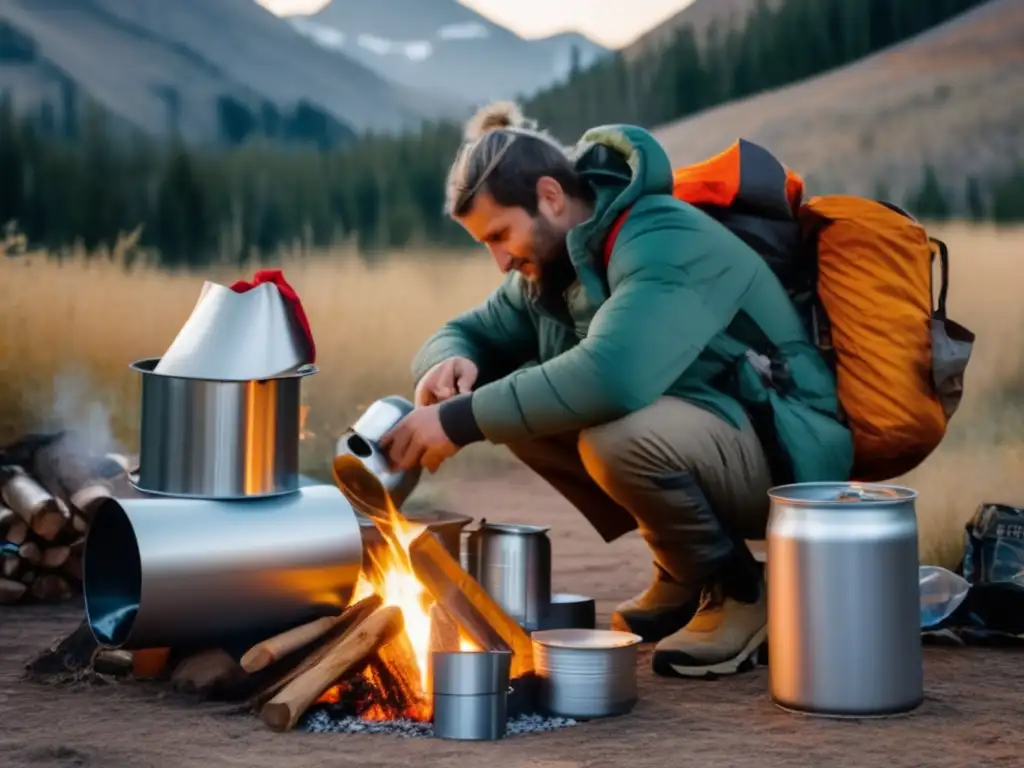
point(634, 388)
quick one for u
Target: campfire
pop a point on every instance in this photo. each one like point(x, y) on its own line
point(413, 599)
point(370, 663)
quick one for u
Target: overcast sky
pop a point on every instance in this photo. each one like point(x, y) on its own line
point(610, 22)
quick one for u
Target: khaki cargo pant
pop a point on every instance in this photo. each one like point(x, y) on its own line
point(694, 485)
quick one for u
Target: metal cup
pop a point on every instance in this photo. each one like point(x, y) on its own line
point(513, 563)
point(470, 692)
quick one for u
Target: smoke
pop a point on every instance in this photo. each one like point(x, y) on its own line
point(84, 417)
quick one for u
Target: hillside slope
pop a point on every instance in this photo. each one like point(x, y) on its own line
point(700, 15)
point(441, 46)
point(164, 67)
point(952, 98)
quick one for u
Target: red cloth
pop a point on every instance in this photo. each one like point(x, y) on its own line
point(276, 276)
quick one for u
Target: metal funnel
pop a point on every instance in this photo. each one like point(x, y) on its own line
point(236, 337)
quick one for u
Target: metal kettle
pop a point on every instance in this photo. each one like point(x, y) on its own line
point(513, 564)
point(362, 439)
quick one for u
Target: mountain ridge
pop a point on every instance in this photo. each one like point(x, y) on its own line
point(444, 46)
point(178, 68)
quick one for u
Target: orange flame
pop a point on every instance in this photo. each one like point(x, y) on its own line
point(406, 659)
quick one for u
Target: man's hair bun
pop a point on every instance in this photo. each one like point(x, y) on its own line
point(495, 117)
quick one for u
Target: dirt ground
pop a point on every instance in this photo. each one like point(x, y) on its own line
point(970, 717)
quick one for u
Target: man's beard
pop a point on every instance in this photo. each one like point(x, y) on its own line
point(555, 271)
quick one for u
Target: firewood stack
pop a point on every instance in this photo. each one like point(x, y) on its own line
point(49, 490)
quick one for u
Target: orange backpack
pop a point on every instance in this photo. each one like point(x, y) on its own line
point(860, 274)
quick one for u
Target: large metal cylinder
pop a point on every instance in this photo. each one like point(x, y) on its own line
point(213, 439)
point(843, 600)
point(161, 572)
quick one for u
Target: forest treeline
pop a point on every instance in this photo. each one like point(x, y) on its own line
point(199, 204)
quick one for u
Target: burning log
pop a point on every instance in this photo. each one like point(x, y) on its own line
point(351, 651)
point(272, 649)
point(444, 632)
point(468, 603)
point(288, 668)
point(398, 673)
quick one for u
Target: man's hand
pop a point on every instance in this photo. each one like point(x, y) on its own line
point(451, 377)
point(419, 440)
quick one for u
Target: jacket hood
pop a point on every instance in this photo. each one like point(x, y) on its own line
point(622, 163)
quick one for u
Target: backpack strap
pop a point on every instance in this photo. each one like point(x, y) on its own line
point(613, 233)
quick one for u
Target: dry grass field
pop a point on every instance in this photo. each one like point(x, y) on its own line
point(69, 329)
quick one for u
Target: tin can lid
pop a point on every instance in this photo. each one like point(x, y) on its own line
point(516, 529)
point(841, 493)
point(470, 673)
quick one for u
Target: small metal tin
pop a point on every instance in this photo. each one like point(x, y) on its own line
point(570, 612)
point(586, 673)
point(470, 694)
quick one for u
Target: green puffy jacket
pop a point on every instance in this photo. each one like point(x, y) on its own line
point(680, 311)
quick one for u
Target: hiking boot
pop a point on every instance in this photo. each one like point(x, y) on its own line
point(722, 638)
point(660, 610)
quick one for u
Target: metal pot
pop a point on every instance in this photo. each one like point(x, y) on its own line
point(210, 439)
point(586, 673)
point(165, 572)
point(513, 563)
point(362, 439)
point(446, 526)
point(843, 600)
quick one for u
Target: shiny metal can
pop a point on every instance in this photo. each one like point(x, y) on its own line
point(843, 600)
point(470, 694)
point(513, 563)
point(586, 673)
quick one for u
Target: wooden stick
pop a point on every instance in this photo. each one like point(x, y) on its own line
point(399, 660)
point(295, 665)
point(270, 650)
point(468, 603)
point(44, 514)
point(283, 711)
point(444, 632)
point(11, 591)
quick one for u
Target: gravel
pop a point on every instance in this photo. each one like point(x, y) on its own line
point(320, 721)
